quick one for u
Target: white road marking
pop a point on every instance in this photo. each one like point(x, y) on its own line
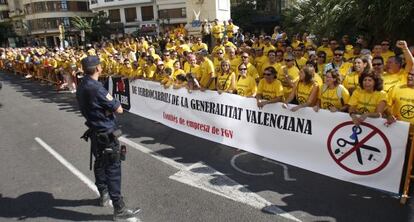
point(286, 176)
point(206, 178)
point(75, 171)
point(285, 169)
point(68, 165)
point(233, 164)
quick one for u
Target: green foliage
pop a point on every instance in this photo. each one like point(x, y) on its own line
point(95, 28)
point(375, 19)
point(242, 15)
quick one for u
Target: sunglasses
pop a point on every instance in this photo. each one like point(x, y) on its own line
point(243, 69)
point(245, 57)
point(267, 74)
point(376, 64)
point(338, 54)
point(167, 55)
point(288, 60)
point(219, 53)
point(385, 44)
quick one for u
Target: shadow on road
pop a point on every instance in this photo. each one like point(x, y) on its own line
point(43, 204)
point(315, 194)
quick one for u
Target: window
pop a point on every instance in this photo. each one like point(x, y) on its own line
point(109, 0)
point(94, 2)
point(64, 5)
point(130, 14)
point(114, 15)
point(173, 13)
point(3, 2)
point(147, 13)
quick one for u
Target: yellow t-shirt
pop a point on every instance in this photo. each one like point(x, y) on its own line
point(387, 55)
point(337, 97)
point(293, 73)
point(300, 63)
point(266, 49)
point(148, 72)
point(197, 47)
point(195, 70)
point(351, 81)
point(234, 64)
point(230, 30)
point(390, 80)
point(224, 81)
point(246, 86)
point(270, 90)
point(367, 102)
point(176, 73)
point(217, 31)
point(401, 98)
point(303, 91)
point(207, 72)
point(276, 65)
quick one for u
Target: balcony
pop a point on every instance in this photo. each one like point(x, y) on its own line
point(97, 5)
point(16, 13)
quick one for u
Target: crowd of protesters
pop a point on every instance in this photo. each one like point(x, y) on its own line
point(364, 80)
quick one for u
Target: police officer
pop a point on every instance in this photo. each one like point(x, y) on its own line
point(98, 107)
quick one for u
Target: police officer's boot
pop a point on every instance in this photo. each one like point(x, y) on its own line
point(104, 199)
point(121, 212)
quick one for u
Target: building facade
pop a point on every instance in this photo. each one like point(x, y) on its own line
point(44, 17)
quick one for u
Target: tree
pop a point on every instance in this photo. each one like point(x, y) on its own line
point(95, 28)
point(375, 19)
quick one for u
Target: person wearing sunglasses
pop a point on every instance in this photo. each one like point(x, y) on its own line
point(390, 80)
point(270, 89)
point(289, 75)
point(246, 85)
point(385, 50)
point(217, 59)
point(394, 64)
point(305, 91)
point(271, 61)
point(339, 63)
point(251, 69)
point(332, 96)
point(226, 79)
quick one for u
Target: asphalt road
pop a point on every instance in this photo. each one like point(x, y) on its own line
point(171, 175)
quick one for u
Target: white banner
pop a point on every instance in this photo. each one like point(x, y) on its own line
point(324, 142)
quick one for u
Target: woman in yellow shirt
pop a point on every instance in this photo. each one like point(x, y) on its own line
point(369, 100)
point(361, 65)
point(246, 85)
point(226, 79)
point(149, 68)
point(333, 96)
point(305, 90)
point(270, 90)
point(177, 70)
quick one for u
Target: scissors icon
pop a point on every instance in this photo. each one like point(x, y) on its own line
point(356, 130)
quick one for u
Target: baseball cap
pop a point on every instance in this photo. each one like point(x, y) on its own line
point(90, 61)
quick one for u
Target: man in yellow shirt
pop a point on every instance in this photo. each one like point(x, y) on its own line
point(401, 99)
point(386, 52)
point(300, 60)
point(199, 45)
point(271, 62)
point(267, 45)
point(207, 71)
point(234, 60)
point(394, 64)
point(339, 64)
point(251, 69)
point(217, 30)
point(325, 48)
point(230, 30)
point(289, 75)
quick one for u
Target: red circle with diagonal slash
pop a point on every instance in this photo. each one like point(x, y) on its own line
point(374, 132)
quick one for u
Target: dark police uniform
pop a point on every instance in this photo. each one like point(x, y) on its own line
point(98, 107)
